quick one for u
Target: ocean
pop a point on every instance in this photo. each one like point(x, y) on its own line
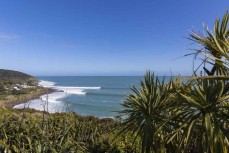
point(86, 95)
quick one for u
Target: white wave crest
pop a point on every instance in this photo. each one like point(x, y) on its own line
point(54, 99)
point(67, 90)
point(46, 84)
point(75, 90)
point(51, 103)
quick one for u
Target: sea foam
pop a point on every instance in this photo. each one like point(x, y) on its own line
point(67, 90)
point(46, 84)
point(52, 102)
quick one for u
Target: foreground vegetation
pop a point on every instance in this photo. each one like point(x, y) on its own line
point(179, 117)
point(158, 117)
point(28, 130)
point(190, 116)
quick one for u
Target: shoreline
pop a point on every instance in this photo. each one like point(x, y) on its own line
point(36, 96)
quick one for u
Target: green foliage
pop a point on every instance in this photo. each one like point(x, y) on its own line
point(179, 117)
point(203, 116)
point(32, 131)
point(9, 77)
point(192, 116)
point(10, 74)
point(18, 92)
point(144, 111)
point(2, 88)
point(215, 46)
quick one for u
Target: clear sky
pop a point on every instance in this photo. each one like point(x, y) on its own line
point(101, 37)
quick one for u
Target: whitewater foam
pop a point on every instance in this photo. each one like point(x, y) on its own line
point(54, 99)
point(68, 90)
point(46, 84)
point(75, 90)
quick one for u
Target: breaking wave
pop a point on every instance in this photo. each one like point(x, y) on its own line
point(54, 99)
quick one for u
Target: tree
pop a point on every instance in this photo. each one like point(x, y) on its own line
point(214, 46)
point(145, 110)
point(192, 116)
point(203, 115)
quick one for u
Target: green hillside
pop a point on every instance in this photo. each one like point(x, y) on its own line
point(17, 87)
point(13, 77)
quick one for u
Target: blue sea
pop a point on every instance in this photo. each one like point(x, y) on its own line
point(98, 96)
point(86, 95)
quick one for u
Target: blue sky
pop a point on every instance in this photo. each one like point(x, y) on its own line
point(101, 37)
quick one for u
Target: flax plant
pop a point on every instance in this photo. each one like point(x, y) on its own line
point(192, 116)
point(203, 116)
point(214, 46)
point(145, 112)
